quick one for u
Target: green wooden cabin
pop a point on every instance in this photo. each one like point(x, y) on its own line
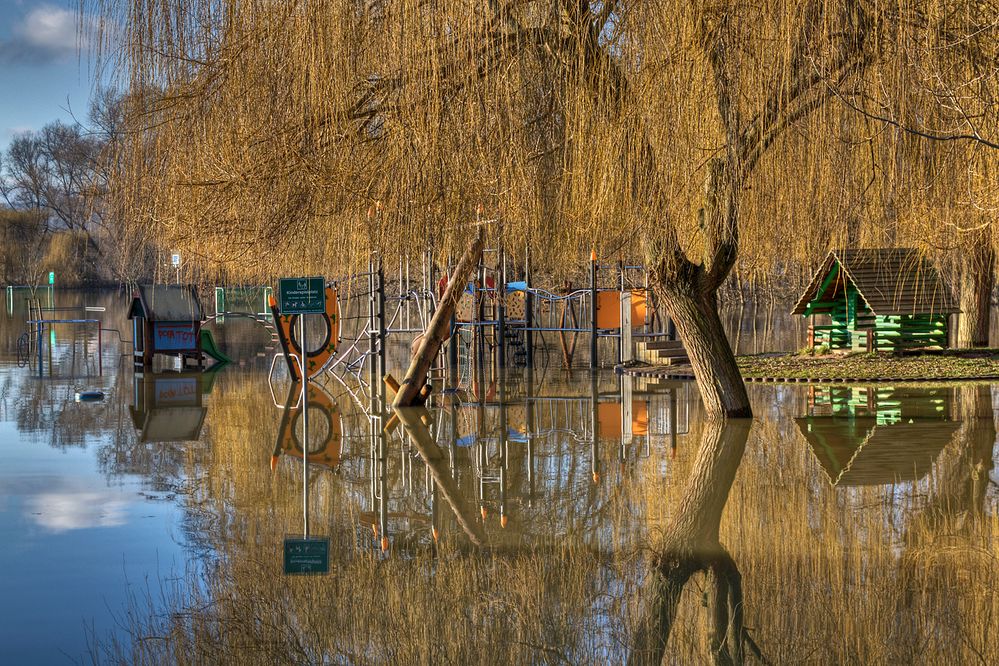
point(877, 299)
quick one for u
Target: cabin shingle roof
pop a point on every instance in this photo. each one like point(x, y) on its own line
point(895, 281)
point(162, 302)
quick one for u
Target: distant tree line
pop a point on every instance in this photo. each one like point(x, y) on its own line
point(52, 216)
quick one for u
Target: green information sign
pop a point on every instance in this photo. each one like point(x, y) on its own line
point(306, 556)
point(51, 277)
point(305, 295)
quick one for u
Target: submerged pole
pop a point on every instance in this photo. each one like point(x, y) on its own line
point(372, 333)
point(593, 309)
point(501, 310)
point(528, 311)
point(302, 352)
point(382, 355)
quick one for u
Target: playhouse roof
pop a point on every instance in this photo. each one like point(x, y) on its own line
point(166, 302)
point(892, 281)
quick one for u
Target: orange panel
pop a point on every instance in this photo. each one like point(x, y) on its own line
point(609, 309)
point(609, 419)
point(639, 417)
point(639, 308)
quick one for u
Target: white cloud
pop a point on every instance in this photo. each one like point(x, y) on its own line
point(44, 35)
point(74, 510)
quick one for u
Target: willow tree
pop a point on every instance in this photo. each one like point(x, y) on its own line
point(652, 129)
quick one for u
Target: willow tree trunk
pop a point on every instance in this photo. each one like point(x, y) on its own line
point(977, 280)
point(694, 311)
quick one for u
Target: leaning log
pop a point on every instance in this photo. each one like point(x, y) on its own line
point(439, 329)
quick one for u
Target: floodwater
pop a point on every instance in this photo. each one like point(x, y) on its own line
point(523, 519)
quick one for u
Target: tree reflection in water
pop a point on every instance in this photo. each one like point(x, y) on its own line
point(690, 544)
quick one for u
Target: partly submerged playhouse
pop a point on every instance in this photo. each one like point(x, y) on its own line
point(166, 319)
point(878, 299)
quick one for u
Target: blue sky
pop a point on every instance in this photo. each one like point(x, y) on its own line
point(43, 72)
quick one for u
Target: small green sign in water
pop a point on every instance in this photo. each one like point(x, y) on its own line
point(305, 295)
point(306, 556)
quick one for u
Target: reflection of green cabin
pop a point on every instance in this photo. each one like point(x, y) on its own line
point(884, 299)
point(886, 404)
point(874, 435)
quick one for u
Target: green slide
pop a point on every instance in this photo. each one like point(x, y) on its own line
point(209, 347)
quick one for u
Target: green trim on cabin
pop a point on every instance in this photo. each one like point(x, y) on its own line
point(833, 272)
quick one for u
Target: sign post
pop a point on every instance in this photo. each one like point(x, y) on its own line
point(302, 296)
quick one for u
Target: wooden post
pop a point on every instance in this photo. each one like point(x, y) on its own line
point(436, 333)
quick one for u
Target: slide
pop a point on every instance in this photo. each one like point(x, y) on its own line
point(209, 347)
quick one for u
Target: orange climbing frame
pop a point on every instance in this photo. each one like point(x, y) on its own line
point(287, 330)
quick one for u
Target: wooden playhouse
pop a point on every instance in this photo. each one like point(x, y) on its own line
point(166, 319)
point(877, 299)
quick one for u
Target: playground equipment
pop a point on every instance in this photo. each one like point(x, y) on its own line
point(32, 296)
point(166, 319)
point(505, 316)
point(320, 357)
point(209, 348)
point(242, 300)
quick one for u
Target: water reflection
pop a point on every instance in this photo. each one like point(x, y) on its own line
point(690, 544)
point(58, 509)
point(169, 406)
point(325, 428)
point(528, 461)
point(877, 435)
point(522, 518)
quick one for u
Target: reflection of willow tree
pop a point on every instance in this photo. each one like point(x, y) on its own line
point(691, 545)
point(946, 538)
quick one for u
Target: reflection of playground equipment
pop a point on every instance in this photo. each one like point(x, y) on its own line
point(888, 404)
point(492, 461)
point(168, 406)
point(887, 299)
point(877, 435)
point(319, 402)
point(318, 358)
